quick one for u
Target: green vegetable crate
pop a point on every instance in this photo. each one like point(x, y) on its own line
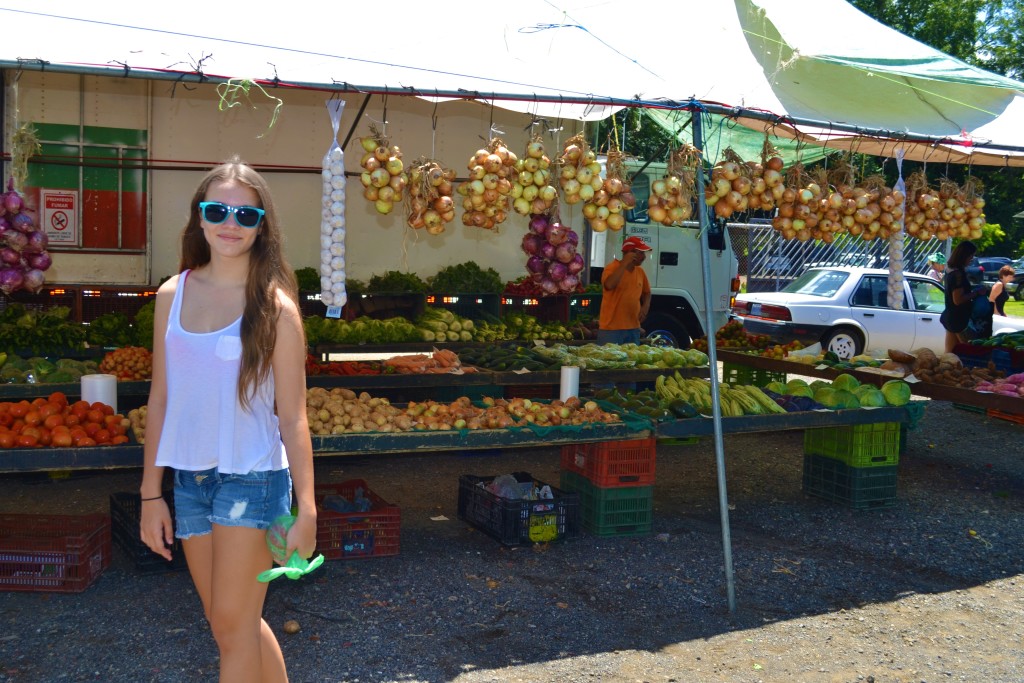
point(859, 488)
point(864, 445)
point(734, 373)
point(624, 511)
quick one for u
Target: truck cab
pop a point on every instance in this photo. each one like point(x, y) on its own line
point(674, 264)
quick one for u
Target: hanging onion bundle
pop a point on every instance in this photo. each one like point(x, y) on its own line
point(430, 205)
point(579, 173)
point(23, 255)
point(606, 209)
point(671, 200)
point(767, 181)
point(332, 216)
point(800, 205)
point(948, 212)
point(728, 193)
point(383, 177)
point(553, 261)
point(486, 194)
point(532, 191)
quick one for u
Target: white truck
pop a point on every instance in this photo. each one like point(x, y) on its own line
point(673, 266)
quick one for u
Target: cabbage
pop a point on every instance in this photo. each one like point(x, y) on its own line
point(896, 392)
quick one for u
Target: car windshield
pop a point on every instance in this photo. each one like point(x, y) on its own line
point(818, 282)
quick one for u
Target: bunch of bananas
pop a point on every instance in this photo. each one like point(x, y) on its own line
point(734, 400)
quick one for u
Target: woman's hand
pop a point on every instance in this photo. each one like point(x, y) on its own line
point(302, 536)
point(155, 527)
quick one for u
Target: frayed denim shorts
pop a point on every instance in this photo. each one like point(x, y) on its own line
point(207, 497)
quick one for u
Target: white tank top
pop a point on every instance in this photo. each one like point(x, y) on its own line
point(205, 425)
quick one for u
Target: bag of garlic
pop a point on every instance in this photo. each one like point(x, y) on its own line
point(332, 217)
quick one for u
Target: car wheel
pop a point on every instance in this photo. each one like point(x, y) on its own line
point(845, 342)
point(1018, 294)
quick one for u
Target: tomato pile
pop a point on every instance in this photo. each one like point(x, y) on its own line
point(128, 363)
point(55, 422)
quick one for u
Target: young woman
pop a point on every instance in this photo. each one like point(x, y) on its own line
point(959, 295)
point(227, 413)
point(998, 295)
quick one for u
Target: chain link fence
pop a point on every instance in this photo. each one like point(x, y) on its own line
point(767, 262)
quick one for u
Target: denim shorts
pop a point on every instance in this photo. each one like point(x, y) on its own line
point(207, 497)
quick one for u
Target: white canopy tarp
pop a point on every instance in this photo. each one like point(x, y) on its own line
point(825, 64)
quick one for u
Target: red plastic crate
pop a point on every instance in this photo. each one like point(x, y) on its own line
point(612, 464)
point(356, 535)
point(59, 553)
point(1009, 417)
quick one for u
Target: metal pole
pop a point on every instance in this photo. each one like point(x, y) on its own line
point(716, 409)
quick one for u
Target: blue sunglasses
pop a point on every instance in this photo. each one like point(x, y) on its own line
point(216, 213)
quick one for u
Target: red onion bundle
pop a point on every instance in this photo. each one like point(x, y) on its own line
point(23, 255)
point(552, 259)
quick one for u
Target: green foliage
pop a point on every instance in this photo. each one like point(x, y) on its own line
point(111, 329)
point(308, 278)
point(143, 325)
point(395, 282)
point(39, 331)
point(466, 278)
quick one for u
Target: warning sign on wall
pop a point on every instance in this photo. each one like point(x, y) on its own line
point(60, 215)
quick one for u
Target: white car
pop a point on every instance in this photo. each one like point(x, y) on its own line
point(846, 309)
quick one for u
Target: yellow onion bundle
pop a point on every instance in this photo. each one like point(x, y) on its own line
point(606, 210)
point(671, 200)
point(947, 212)
point(383, 176)
point(579, 173)
point(430, 205)
point(486, 194)
point(532, 191)
point(799, 209)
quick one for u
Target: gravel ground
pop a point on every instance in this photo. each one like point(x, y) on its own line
point(824, 593)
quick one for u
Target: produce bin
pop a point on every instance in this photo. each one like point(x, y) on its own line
point(623, 511)
point(733, 373)
point(58, 553)
point(584, 306)
point(860, 488)
point(612, 464)
point(356, 535)
point(545, 309)
point(125, 511)
point(864, 445)
point(518, 521)
point(472, 306)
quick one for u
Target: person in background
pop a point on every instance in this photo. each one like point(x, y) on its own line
point(998, 294)
point(227, 412)
point(626, 295)
point(936, 266)
point(960, 295)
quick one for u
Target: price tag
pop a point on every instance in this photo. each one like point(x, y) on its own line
point(334, 311)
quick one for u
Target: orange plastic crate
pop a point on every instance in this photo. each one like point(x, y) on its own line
point(612, 464)
point(58, 553)
point(356, 535)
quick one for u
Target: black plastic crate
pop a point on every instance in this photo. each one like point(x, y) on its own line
point(125, 514)
point(472, 306)
point(545, 309)
point(584, 306)
point(518, 521)
point(860, 488)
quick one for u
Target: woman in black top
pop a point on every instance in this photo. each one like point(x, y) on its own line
point(999, 296)
point(958, 295)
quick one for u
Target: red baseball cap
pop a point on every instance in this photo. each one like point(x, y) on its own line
point(634, 243)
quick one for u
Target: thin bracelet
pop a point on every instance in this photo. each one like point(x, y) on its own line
point(153, 498)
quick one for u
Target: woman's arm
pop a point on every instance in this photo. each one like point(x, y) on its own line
point(290, 394)
point(156, 528)
point(997, 289)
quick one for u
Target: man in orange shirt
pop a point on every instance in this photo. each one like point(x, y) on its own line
point(626, 295)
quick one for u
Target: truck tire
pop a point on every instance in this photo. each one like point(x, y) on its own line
point(660, 321)
point(845, 342)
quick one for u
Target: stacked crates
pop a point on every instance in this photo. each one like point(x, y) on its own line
point(853, 465)
point(615, 482)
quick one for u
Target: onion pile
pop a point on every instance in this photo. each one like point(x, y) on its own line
point(383, 177)
point(23, 255)
point(671, 200)
point(552, 259)
point(332, 229)
point(430, 204)
point(486, 193)
point(579, 172)
point(948, 212)
point(532, 191)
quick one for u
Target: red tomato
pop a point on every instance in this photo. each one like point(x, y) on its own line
point(94, 415)
point(24, 441)
point(59, 398)
point(7, 440)
point(61, 440)
point(85, 441)
point(33, 417)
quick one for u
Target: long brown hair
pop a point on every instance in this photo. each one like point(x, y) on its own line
point(962, 255)
point(268, 272)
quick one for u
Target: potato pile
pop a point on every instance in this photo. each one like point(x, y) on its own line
point(342, 411)
point(137, 419)
point(948, 370)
